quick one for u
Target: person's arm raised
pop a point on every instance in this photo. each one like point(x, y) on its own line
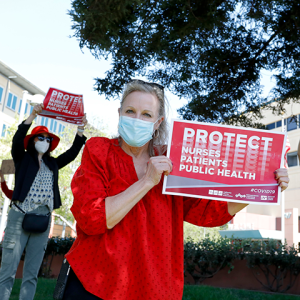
point(118, 206)
point(80, 129)
point(18, 150)
point(71, 154)
point(37, 109)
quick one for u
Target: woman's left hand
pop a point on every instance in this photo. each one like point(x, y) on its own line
point(84, 121)
point(282, 177)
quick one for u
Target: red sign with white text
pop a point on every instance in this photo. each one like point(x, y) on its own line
point(224, 162)
point(63, 106)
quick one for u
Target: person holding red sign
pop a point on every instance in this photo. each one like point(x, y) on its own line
point(35, 196)
point(129, 241)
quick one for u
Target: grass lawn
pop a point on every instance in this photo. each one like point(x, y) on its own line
point(46, 286)
point(44, 289)
point(194, 292)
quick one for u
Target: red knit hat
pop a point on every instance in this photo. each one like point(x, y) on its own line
point(42, 129)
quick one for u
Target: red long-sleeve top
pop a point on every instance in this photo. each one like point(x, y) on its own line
point(142, 256)
point(7, 192)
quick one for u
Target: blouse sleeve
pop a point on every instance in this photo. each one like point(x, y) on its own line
point(206, 213)
point(8, 193)
point(89, 186)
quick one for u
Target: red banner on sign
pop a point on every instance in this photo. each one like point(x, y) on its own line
point(224, 162)
point(63, 106)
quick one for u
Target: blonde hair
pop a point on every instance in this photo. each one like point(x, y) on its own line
point(160, 135)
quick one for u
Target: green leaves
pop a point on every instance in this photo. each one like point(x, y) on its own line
point(206, 257)
point(209, 52)
point(58, 245)
point(274, 265)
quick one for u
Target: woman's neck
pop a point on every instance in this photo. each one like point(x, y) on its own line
point(136, 152)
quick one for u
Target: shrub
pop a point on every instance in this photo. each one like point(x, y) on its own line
point(279, 264)
point(55, 246)
point(204, 258)
point(274, 265)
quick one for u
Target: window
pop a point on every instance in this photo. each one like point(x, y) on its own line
point(292, 123)
point(8, 103)
point(55, 125)
point(14, 103)
point(1, 93)
point(26, 108)
point(44, 121)
point(271, 126)
point(20, 105)
point(11, 101)
point(3, 130)
point(278, 123)
point(61, 128)
point(31, 109)
point(292, 159)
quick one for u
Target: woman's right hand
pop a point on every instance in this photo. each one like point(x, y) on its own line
point(37, 109)
point(157, 166)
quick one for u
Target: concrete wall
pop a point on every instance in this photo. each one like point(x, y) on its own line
point(292, 194)
point(58, 229)
point(253, 221)
point(245, 220)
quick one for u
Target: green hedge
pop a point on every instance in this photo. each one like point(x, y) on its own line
point(279, 264)
point(58, 245)
point(55, 246)
point(204, 258)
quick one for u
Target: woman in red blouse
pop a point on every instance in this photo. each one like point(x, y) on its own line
point(130, 235)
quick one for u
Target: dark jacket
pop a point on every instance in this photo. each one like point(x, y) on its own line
point(27, 165)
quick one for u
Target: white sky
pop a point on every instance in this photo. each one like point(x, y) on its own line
point(35, 42)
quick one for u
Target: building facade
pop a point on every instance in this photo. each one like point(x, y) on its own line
point(12, 89)
point(264, 221)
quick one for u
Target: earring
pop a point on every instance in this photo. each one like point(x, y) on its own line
point(156, 134)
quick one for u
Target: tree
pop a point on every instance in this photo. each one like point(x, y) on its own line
point(197, 233)
point(211, 52)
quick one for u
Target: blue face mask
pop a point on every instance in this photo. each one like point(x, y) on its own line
point(135, 132)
